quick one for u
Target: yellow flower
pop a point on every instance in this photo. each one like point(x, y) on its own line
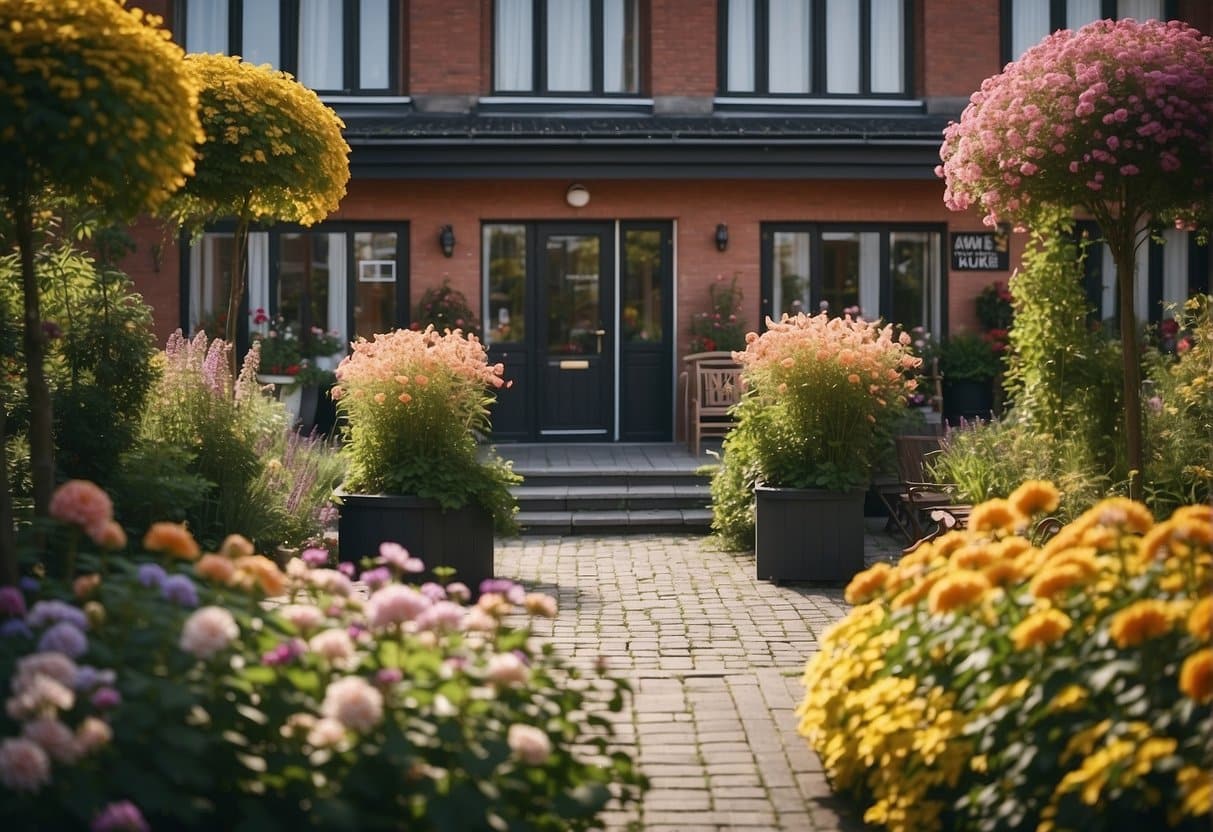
point(1002, 573)
point(1200, 620)
point(974, 556)
point(1197, 789)
point(1054, 580)
point(996, 515)
point(1040, 628)
point(1121, 512)
point(956, 590)
point(1034, 497)
point(1139, 622)
point(1068, 697)
point(171, 539)
point(1196, 676)
point(867, 583)
point(1082, 557)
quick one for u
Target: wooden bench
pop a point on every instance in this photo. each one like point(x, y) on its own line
point(711, 385)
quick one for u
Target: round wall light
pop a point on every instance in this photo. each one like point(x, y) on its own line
point(577, 196)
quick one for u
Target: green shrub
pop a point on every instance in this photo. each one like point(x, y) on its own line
point(733, 489)
point(721, 328)
point(445, 307)
point(967, 355)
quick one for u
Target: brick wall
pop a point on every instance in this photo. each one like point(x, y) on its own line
point(960, 46)
point(154, 266)
point(682, 47)
point(444, 47)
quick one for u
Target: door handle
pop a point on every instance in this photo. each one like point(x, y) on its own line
point(600, 333)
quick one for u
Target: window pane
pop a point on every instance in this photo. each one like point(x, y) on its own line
point(842, 46)
point(1081, 12)
point(206, 26)
point(321, 40)
point(505, 283)
point(914, 268)
point(642, 286)
point(374, 34)
point(620, 51)
point(568, 46)
point(1140, 9)
point(888, 43)
point(512, 46)
point(210, 277)
point(1029, 24)
point(573, 286)
point(375, 282)
point(790, 289)
point(789, 35)
point(849, 260)
point(740, 71)
point(260, 32)
point(305, 262)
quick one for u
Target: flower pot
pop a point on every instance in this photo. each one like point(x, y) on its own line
point(968, 399)
point(808, 534)
point(460, 538)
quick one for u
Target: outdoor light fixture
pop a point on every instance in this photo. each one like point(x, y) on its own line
point(577, 196)
point(722, 237)
point(446, 239)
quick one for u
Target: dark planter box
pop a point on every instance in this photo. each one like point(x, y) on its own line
point(462, 538)
point(968, 399)
point(804, 534)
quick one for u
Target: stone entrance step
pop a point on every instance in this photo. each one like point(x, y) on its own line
point(594, 502)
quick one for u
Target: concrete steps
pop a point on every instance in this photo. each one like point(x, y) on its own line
point(569, 502)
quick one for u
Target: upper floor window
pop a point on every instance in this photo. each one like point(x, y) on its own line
point(334, 46)
point(566, 47)
point(1027, 22)
point(814, 47)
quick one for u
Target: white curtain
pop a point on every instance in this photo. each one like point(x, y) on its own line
point(1174, 267)
point(617, 64)
point(740, 69)
point(261, 28)
point(1029, 23)
point(1081, 12)
point(338, 288)
point(789, 36)
point(888, 41)
point(320, 45)
point(1141, 283)
point(258, 277)
point(842, 46)
point(512, 46)
point(206, 26)
point(568, 47)
point(1140, 9)
point(791, 260)
point(869, 275)
point(374, 31)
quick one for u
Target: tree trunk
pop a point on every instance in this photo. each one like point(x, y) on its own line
point(9, 567)
point(41, 447)
point(236, 295)
point(1123, 256)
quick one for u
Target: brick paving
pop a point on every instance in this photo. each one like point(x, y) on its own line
point(714, 657)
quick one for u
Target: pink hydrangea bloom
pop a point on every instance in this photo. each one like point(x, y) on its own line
point(24, 766)
point(529, 744)
point(395, 604)
point(208, 631)
point(353, 702)
point(53, 737)
point(81, 503)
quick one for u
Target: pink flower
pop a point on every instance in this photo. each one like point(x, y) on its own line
point(326, 733)
point(53, 737)
point(444, 615)
point(302, 617)
point(53, 665)
point(122, 816)
point(397, 556)
point(529, 744)
point(40, 695)
point(537, 603)
point(109, 535)
point(208, 631)
point(333, 645)
point(395, 604)
point(24, 766)
point(81, 503)
point(12, 602)
point(93, 734)
point(506, 669)
point(353, 702)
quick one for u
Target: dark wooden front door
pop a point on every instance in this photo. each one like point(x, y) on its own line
point(576, 342)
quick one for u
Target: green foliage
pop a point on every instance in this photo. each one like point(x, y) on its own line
point(967, 355)
point(288, 723)
point(994, 307)
point(96, 103)
point(155, 480)
point(443, 308)
point(733, 486)
point(722, 328)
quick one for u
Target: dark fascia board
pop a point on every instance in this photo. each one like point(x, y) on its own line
point(871, 159)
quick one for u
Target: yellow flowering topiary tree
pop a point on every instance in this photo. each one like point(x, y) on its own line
point(95, 106)
point(992, 681)
point(273, 152)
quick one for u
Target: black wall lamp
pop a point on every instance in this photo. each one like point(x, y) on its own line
point(446, 239)
point(722, 237)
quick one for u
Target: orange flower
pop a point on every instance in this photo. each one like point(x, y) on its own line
point(1040, 628)
point(1054, 580)
point(1034, 497)
point(405, 398)
point(974, 556)
point(171, 539)
point(1200, 620)
point(1196, 676)
point(83, 586)
point(109, 535)
point(996, 515)
point(262, 571)
point(1122, 512)
point(215, 568)
point(958, 589)
point(236, 546)
point(1002, 573)
point(867, 583)
point(1139, 622)
point(853, 378)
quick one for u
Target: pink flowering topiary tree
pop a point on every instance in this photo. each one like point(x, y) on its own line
point(1114, 120)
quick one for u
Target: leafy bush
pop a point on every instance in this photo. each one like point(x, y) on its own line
point(722, 327)
point(985, 682)
point(415, 402)
point(445, 307)
point(732, 486)
point(320, 710)
point(967, 355)
point(995, 310)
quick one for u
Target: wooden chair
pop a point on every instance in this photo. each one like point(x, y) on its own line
point(918, 493)
point(712, 387)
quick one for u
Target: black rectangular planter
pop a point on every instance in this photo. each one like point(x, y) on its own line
point(461, 538)
point(805, 534)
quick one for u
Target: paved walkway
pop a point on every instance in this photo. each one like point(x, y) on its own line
point(715, 658)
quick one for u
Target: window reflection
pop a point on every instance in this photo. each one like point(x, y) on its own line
point(505, 283)
point(642, 302)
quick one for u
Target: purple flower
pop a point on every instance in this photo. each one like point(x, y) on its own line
point(106, 698)
point(388, 676)
point(151, 574)
point(346, 569)
point(180, 590)
point(12, 602)
point(45, 613)
point(64, 638)
point(377, 577)
point(458, 591)
point(14, 627)
point(29, 585)
point(433, 591)
point(315, 557)
point(122, 816)
point(89, 677)
point(515, 593)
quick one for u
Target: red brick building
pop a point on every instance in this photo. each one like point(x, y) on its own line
point(584, 170)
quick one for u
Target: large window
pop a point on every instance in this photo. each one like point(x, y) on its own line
point(347, 279)
point(334, 46)
point(815, 47)
point(1166, 274)
point(1027, 22)
point(892, 272)
point(566, 47)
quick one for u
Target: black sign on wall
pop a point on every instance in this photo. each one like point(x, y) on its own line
point(981, 251)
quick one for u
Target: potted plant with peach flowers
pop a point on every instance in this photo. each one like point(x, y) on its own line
point(821, 394)
point(415, 403)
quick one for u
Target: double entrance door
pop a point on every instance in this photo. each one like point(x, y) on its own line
point(580, 314)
